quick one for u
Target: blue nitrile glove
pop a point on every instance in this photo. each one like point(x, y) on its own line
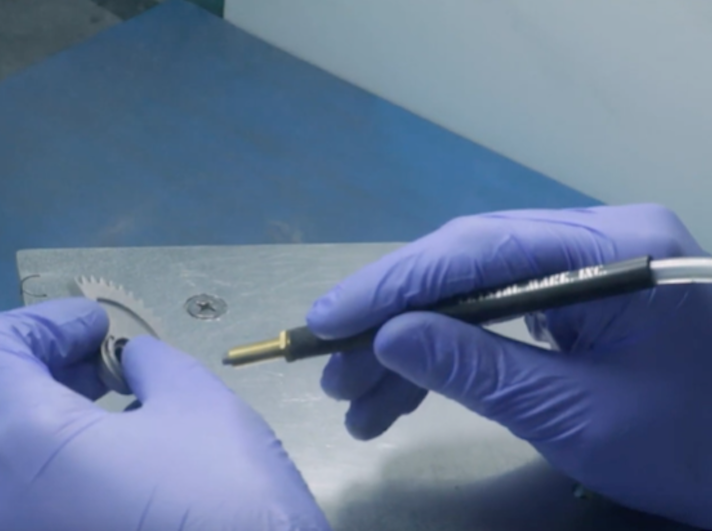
point(192, 457)
point(625, 406)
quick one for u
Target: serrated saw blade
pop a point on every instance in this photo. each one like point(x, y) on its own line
point(128, 317)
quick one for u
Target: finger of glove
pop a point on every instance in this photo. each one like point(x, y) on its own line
point(160, 374)
point(533, 392)
point(372, 414)
point(485, 251)
point(631, 230)
point(466, 254)
point(634, 230)
point(58, 333)
point(82, 378)
point(347, 376)
point(59, 336)
point(38, 413)
point(174, 387)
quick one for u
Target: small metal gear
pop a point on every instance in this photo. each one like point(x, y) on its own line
point(128, 317)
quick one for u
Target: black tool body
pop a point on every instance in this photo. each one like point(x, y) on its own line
point(562, 289)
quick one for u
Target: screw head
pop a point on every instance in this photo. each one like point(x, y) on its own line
point(205, 307)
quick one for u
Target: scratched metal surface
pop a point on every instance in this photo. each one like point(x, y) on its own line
point(440, 469)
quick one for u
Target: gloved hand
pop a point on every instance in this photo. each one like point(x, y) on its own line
point(192, 457)
point(622, 404)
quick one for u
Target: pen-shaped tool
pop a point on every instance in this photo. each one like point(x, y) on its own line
point(499, 303)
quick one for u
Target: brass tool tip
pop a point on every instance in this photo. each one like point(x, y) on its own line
point(258, 352)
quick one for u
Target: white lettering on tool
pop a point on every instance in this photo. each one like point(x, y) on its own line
point(552, 281)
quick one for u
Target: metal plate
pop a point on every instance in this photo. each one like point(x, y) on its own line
point(440, 469)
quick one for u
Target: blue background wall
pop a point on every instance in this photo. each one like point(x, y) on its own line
point(176, 128)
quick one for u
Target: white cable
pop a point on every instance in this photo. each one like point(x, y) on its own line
point(682, 270)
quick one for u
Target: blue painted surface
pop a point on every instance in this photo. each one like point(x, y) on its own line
point(176, 128)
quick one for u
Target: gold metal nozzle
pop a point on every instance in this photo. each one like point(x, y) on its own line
point(257, 352)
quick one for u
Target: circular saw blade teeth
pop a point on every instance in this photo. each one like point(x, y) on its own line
point(115, 296)
point(98, 288)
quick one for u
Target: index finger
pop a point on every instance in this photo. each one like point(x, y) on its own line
point(52, 338)
point(486, 251)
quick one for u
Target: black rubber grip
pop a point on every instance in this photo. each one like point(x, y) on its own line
point(304, 344)
point(562, 289)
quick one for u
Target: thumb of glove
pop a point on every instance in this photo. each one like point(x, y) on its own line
point(530, 391)
point(160, 374)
